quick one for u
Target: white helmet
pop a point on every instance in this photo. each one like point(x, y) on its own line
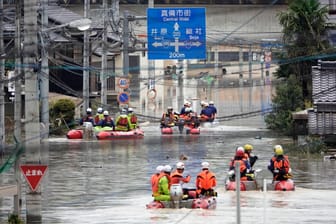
point(89, 110)
point(205, 104)
point(159, 169)
point(179, 165)
point(167, 168)
point(211, 103)
point(105, 113)
point(240, 149)
point(100, 110)
point(130, 109)
point(202, 103)
point(205, 165)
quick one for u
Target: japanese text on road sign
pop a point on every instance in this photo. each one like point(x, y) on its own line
point(176, 33)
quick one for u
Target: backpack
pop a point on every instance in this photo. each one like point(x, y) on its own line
point(123, 121)
point(134, 119)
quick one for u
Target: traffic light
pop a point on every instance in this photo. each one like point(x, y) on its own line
point(168, 70)
point(179, 68)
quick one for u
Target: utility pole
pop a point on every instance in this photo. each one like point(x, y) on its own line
point(86, 72)
point(44, 77)
point(2, 85)
point(18, 73)
point(32, 112)
point(151, 63)
point(18, 100)
point(125, 44)
point(241, 59)
point(103, 74)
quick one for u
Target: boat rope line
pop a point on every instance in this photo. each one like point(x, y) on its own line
point(223, 118)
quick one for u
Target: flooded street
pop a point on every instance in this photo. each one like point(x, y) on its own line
point(108, 181)
point(97, 182)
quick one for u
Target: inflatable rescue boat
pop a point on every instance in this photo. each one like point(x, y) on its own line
point(109, 135)
point(177, 201)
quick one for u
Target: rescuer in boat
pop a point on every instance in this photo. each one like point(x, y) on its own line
point(163, 193)
point(279, 165)
point(155, 179)
point(213, 108)
point(177, 177)
point(99, 115)
point(206, 182)
point(249, 155)
point(186, 105)
point(132, 118)
point(206, 113)
point(107, 121)
point(122, 122)
point(245, 166)
point(87, 117)
point(190, 118)
point(169, 118)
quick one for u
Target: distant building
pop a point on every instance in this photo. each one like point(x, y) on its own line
point(322, 118)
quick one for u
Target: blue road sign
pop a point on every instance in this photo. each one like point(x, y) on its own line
point(176, 33)
point(123, 97)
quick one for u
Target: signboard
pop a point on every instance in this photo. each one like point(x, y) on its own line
point(33, 174)
point(176, 33)
point(123, 98)
point(123, 83)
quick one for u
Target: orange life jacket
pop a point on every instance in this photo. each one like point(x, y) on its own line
point(155, 182)
point(176, 177)
point(206, 180)
point(281, 163)
point(242, 165)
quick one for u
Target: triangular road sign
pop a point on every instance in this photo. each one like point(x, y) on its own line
point(33, 174)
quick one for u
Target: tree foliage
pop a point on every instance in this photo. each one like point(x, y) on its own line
point(304, 31)
point(63, 109)
point(304, 37)
point(288, 98)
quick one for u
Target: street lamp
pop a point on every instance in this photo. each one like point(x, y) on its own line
point(80, 24)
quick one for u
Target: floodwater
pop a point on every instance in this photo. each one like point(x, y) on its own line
point(97, 182)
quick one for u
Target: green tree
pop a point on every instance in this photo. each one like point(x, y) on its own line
point(304, 28)
point(63, 109)
point(288, 98)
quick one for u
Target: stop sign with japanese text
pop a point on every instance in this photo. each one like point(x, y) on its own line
point(33, 174)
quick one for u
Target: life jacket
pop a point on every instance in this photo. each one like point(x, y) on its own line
point(176, 177)
point(123, 121)
point(206, 180)
point(155, 182)
point(98, 117)
point(168, 116)
point(87, 118)
point(108, 121)
point(242, 167)
point(281, 164)
point(133, 119)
